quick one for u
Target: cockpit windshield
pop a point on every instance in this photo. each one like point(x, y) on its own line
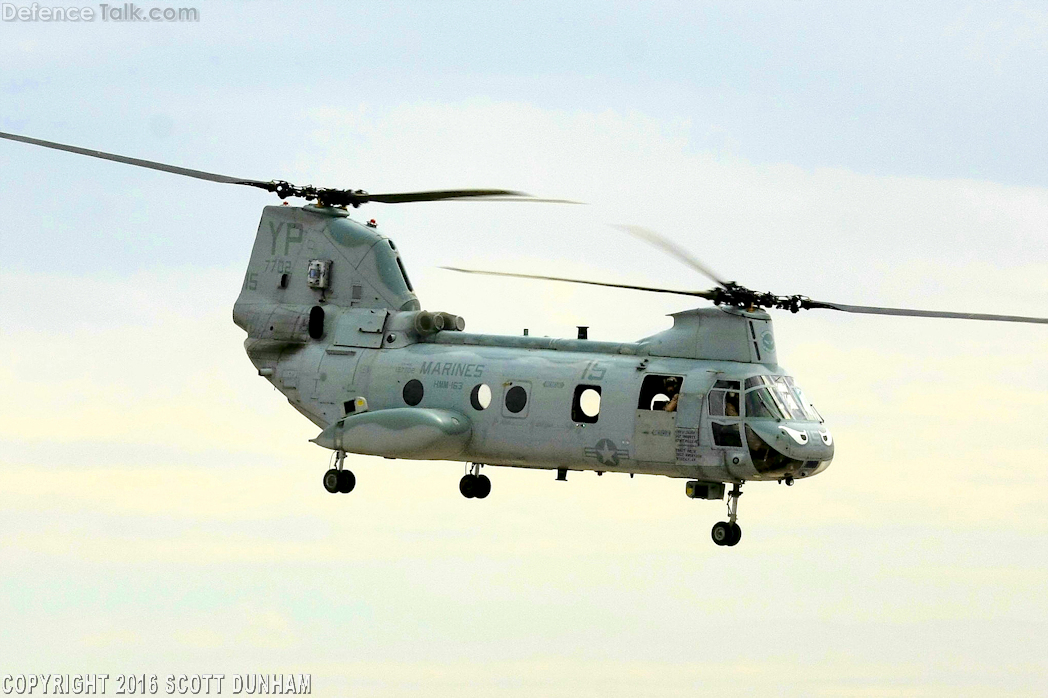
point(761, 405)
point(778, 397)
point(806, 404)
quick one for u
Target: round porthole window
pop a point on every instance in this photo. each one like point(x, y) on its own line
point(516, 399)
point(413, 392)
point(589, 402)
point(480, 398)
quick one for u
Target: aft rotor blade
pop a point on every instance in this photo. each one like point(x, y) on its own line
point(709, 295)
point(672, 249)
point(908, 312)
point(324, 196)
point(198, 174)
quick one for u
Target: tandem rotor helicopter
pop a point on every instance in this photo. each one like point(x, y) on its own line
point(333, 322)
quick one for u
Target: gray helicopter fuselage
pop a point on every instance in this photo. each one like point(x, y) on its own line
point(334, 325)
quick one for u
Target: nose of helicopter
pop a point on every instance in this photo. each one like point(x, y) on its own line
point(809, 444)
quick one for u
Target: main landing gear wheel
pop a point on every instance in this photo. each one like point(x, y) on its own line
point(331, 481)
point(473, 485)
point(338, 479)
point(468, 486)
point(728, 532)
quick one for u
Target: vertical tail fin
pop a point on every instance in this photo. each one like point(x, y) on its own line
point(363, 270)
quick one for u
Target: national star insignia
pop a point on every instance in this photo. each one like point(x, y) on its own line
point(607, 452)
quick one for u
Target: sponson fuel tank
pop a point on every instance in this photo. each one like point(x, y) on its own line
point(402, 432)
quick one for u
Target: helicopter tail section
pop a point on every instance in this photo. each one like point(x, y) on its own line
point(307, 259)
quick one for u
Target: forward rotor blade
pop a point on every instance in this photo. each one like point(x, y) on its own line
point(709, 295)
point(908, 312)
point(672, 249)
point(198, 174)
point(518, 196)
point(442, 195)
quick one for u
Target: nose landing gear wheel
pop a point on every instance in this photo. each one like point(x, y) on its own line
point(736, 534)
point(721, 533)
point(728, 532)
point(725, 533)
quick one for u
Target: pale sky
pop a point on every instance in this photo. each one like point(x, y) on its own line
point(161, 508)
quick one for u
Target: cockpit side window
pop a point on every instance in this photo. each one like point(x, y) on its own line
point(724, 399)
point(726, 435)
point(765, 458)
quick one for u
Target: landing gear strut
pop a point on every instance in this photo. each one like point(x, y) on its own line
point(338, 479)
point(728, 532)
point(473, 484)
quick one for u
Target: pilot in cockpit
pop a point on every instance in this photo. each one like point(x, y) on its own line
point(731, 404)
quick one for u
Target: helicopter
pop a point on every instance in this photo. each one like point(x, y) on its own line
point(334, 324)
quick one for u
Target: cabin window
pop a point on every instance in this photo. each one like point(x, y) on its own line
point(658, 391)
point(516, 399)
point(480, 397)
point(413, 392)
point(585, 406)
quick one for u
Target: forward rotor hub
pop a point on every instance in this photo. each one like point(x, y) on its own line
point(741, 297)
